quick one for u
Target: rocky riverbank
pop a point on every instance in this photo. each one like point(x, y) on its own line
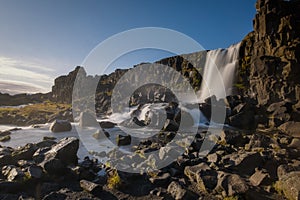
point(242, 165)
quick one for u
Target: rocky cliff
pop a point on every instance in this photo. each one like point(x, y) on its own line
point(63, 85)
point(269, 67)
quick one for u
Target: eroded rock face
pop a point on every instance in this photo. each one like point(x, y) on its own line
point(269, 66)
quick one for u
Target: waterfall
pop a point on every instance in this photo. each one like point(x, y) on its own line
point(220, 64)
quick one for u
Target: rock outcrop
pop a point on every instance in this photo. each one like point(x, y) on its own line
point(269, 67)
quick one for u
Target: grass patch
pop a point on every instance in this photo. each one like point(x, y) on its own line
point(35, 109)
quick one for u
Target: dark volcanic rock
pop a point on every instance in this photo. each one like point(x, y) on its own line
point(269, 60)
point(60, 126)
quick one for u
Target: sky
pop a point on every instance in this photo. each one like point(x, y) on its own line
point(40, 40)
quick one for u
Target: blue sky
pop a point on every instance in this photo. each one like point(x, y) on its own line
point(41, 40)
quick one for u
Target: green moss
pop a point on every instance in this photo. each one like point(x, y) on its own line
point(114, 180)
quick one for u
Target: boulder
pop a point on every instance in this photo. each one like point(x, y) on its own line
point(260, 177)
point(107, 124)
point(290, 128)
point(244, 162)
point(290, 185)
point(4, 133)
point(24, 153)
point(232, 184)
point(34, 171)
point(87, 120)
point(161, 179)
point(65, 150)
point(60, 126)
point(90, 187)
point(123, 140)
point(178, 192)
point(5, 138)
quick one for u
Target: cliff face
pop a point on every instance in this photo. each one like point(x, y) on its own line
point(63, 85)
point(269, 67)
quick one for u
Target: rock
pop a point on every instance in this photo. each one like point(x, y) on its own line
point(9, 186)
point(260, 177)
point(284, 170)
point(290, 185)
point(5, 156)
point(178, 192)
point(55, 196)
point(212, 158)
point(87, 120)
point(123, 140)
point(207, 180)
point(101, 134)
point(107, 124)
point(39, 155)
point(295, 143)
point(232, 184)
point(24, 153)
point(161, 179)
point(60, 126)
point(65, 150)
point(49, 138)
point(5, 138)
point(53, 166)
point(170, 125)
point(245, 162)
point(232, 137)
point(244, 120)
point(34, 171)
point(4, 133)
point(15, 174)
point(290, 128)
point(90, 187)
point(191, 171)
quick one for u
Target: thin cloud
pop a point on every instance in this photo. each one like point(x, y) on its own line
point(18, 76)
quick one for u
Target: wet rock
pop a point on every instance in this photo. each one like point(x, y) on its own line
point(60, 126)
point(123, 140)
point(4, 133)
point(107, 124)
point(49, 138)
point(87, 120)
point(178, 192)
point(45, 143)
point(5, 138)
point(90, 187)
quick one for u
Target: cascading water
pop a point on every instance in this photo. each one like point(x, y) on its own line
point(220, 63)
point(218, 78)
